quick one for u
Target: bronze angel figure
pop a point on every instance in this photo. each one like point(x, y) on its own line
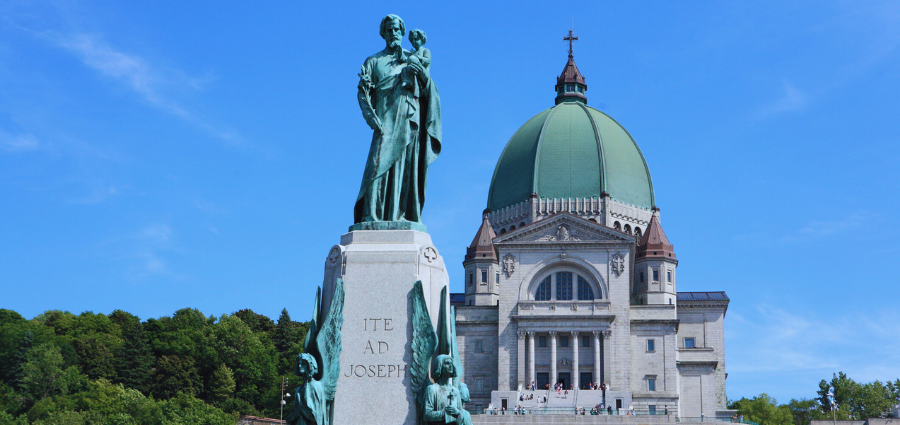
point(314, 400)
point(440, 402)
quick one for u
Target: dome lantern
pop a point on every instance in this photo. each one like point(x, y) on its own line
point(570, 84)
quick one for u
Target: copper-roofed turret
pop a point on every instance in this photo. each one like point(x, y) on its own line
point(654, 243)
point(481, 246)
point(570, 84)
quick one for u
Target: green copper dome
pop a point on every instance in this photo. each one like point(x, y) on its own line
point(571, 151)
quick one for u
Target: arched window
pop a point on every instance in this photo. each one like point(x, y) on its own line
point(628, 229)
point(503, 230)
point(512, 228)
point(567, 284)
point(617, 226)
point(564, 286)
point(637, 233)
point(585, 292)
point(543, 291)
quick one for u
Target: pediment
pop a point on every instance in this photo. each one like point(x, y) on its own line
point(564, 228)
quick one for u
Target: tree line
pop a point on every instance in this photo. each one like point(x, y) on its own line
point(853, 401)
point(60, 368)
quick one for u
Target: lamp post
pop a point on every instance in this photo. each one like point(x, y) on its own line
point(284, 383)
point(830, 396)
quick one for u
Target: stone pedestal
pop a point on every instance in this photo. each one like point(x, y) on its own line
point(379, 268)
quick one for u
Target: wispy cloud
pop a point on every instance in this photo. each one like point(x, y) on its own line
point(18, 142)
point(822, 228)
point(828, 228)
point(791, 341)
point(139, 75)
point(792, 99)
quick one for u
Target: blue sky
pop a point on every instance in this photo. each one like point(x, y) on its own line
point(161, 155)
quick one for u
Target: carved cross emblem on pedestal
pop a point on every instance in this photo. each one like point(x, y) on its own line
point(430, 254)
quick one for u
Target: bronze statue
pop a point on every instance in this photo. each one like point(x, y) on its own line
point(314, 400)
point(400, 102)
point(443, 401)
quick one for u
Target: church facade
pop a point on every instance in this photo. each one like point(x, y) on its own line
point(571, 279)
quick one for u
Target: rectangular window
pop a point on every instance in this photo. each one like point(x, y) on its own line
point(570, 87)
point(497, 277)
point(484, 276)
point(471, 279)
point(479, 384)
point(652, 409)
point(564, 286)
point(669, 276)
point(642, 277)
point(542, 341)
point(479, 346)
point(563, 341)
point(585, 341)
point(689, 343)
point(656, 275)
point(651, 345)
point(651, 383)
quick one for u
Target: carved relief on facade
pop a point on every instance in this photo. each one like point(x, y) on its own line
point(563, 234)
point(618, 264)
point(509, 264)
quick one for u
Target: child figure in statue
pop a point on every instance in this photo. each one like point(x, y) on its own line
point(443, 402)
point(419, 54)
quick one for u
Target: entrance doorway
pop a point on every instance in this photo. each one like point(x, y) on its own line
point(565, 378)
point(585, 379)
point(543, 379)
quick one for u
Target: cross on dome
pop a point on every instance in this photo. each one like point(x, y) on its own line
point(570, 38)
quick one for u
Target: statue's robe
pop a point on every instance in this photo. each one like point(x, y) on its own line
point(309, 405)
point(437, 398)
point(393, 184)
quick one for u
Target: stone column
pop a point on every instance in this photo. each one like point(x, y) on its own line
point(553, 376)
point(520, 353)
point(597, 377)
point(608, 354)
point(531, 377)
point(576, 378)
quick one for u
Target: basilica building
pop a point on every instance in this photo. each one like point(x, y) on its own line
point(571, 279)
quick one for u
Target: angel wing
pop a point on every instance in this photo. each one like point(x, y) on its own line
point(328, 341)
point(309, 344)
point(444, 339)
point(424, 340)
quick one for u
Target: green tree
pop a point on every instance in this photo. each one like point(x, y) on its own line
point(123, 319)
point(252, 361)
point(135, 359)
point(95, 358)
point(221, 385)
point(12, 329)
point(856, 401)
point(258, 323)
point(187, 410)
point(174, 374)
point(805, 410)
point(43, 374)
point(764, 410)
point(18, 365)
